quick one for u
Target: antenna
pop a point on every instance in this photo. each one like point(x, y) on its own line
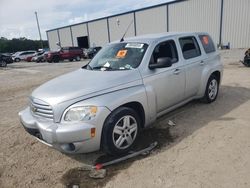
point(122, 39)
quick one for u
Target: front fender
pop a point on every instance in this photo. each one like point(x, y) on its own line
point(118, 98)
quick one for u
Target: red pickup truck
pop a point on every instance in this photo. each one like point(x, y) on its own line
point(70, 53)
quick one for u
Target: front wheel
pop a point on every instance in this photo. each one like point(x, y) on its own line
point(212, 89)
point(56, 59)
point(3, 64)
point(120, 131)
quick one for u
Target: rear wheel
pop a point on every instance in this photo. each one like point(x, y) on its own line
point(78, 58)
point(120, 131)
point(246, 62)
point(17, 60)
point(212, 89)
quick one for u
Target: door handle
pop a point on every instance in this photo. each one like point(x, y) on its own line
point(177, 71)
point(202, 63)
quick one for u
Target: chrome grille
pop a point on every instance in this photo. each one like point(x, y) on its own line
point(41, 109)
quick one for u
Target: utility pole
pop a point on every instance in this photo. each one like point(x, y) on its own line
point(39, 30)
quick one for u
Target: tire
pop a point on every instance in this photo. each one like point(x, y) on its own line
point(246, 62)
point(78, 58)
point(3, 64)
point(56, 59)
point(120, 131)
point(212, 89)
point(71, 59)
point(17, 60)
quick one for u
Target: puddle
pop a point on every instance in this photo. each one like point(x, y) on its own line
point(79, 177)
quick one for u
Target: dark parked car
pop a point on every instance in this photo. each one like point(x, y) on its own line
point(91, 52)
point(70, 53)
point(7, 58)
point(246, 60)
point(2, 62)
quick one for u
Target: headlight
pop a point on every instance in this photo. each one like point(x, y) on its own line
point(80, 113)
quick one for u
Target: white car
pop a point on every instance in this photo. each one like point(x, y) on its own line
point(18, 56)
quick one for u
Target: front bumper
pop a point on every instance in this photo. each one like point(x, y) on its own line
point(66, 137)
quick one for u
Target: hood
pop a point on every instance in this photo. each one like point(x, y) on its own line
point(84, 83)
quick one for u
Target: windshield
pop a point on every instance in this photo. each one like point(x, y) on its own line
point(17, 53)
point(118, 56)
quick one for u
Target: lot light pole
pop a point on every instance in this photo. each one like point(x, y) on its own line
point(39, 29)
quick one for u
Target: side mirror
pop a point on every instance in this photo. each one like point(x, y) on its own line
point(162, 62)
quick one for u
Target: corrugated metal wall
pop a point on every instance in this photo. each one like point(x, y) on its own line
point(189, 15)
point(151, 20)
point(236, 23)
point(119, 24)
point(98, 33)
point(53, 39)
point(65, 37)
point(196, 15)
point(78, 31)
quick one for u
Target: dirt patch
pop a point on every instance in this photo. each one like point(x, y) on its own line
point(208, 147)
point(80, 176)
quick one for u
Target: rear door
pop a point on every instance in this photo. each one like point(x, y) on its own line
point(193, 63)
point(211, 55)
point(24, 55)
point(64, 53)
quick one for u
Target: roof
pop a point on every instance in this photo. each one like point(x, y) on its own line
point(149, 38)
point(106, 17)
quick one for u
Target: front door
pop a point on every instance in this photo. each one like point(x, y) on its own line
point(168, 83)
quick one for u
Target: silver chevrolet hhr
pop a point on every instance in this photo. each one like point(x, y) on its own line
point(123, 89)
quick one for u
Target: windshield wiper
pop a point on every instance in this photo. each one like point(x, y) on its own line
point(89, 67)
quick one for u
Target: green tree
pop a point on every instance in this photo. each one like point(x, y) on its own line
point(20, 44)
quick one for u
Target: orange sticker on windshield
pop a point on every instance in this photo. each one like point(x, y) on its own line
point(121, 53)
point(205, 40)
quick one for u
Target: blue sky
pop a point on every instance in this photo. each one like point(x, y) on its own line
point(17, 18)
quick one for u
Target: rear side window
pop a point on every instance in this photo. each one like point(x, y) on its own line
point(74, 48)
point(207, 43)
point(189, 47)
point(25, 53)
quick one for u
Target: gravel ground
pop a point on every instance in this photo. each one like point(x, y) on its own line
point(208, 147)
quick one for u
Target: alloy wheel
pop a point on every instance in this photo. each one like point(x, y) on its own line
point(213, 89)
point(125, 132)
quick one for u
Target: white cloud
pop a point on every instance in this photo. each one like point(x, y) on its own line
point(17, 18)
point(76, 20)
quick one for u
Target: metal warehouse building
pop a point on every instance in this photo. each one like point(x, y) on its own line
point(227, 21)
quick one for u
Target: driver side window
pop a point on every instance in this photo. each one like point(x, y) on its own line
point(165, 49)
